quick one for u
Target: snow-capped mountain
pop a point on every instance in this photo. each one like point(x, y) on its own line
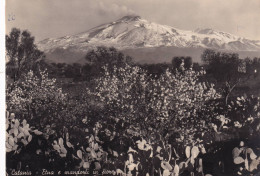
point(133, 32)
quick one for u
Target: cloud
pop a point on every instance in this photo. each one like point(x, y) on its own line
point(113, 9)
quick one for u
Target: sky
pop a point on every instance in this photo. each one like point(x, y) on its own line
point(57, 18)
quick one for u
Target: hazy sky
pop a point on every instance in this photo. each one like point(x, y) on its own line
point(56, 18)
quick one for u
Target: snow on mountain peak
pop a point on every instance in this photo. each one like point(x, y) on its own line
point(132, 31)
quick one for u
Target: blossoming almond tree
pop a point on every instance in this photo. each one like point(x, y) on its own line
point(36, 99)
point(177, 98)
point(170, 102)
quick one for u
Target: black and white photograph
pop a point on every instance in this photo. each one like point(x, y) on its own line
point(132, 87)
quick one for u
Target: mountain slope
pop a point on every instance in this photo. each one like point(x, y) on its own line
point(133, 32)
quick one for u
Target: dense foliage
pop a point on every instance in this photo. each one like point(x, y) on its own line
point(127, 120)
point(135, 124)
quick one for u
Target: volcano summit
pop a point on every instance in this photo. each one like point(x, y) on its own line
point(138, 37)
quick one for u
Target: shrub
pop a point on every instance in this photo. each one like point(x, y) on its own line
point(36, 99)
point(169, 103)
